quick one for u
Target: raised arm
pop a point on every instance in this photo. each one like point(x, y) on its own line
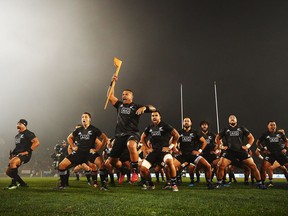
point(112, 97)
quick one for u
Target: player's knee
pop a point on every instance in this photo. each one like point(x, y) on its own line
point(61, 166)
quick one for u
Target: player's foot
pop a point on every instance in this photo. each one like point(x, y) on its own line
point(175, 188)
point(95, 184)
point(23, 185)
point(121, 178)
point(11, 187)
point(104, 188)
point(167, 186)
point(270, 184)
point(149, 187)
point(59, 188)
point(134, 177)
point(262, 186)
point(191, 184)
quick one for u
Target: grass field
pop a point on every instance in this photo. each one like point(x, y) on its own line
point(80, 199)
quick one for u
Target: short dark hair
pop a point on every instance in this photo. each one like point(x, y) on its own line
point(270, 122)
point(204, 122)
point(87, 113)
point(156, 111)
point(128, 90)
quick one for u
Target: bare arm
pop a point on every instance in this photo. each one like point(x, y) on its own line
point(250, 142)
point(174, 139)
point(35, 143)
point(143, 141)
point(112, 97)
point(70, 140)
point(100, 145)
point(204, 144)
point(142, 109)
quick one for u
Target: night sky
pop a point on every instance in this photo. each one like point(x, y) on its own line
point(56, 62)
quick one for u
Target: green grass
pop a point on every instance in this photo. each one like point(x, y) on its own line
point(80, 199)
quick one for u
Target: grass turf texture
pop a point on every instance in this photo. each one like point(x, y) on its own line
point(81, 199)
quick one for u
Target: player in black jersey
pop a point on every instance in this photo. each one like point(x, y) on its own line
point(270, 143)
point(236, 149)
point(25, 143)
point(160, 134)
point(86, 137)
point(127, 133)
point(210, 152)
point(192, 143)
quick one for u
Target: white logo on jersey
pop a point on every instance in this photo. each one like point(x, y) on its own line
point(186, 138)
point(234, 133)
point(155, 133)
point(273, 139)
point(18, 139)
point(125, 110)
point(85, 136)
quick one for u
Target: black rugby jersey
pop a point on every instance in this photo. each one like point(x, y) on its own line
point(86, 137)
point(127, 119)
point(159, 135)
point(23, 141)
point(234, 137)
point(210, 139)
point(273, 141)
point(189, 140)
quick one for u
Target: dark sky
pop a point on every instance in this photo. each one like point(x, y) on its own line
point(56, 61)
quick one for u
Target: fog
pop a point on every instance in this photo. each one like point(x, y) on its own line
point(56, 62)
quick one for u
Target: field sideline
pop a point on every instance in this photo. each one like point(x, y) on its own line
point(81, 199)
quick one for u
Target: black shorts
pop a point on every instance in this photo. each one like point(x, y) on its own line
point(93, 156)
point(156, 157)
point(24, 158)
point(210, 157)
point(189, 158)
point(78, 157)
point(276, 156)
point(125, 156)
point(234, 155)
point(120, 144)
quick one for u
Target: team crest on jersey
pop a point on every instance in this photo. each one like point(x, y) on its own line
point(186, 138)
point(125, 110)
point(273, 139)
point(156, 133)
point(18, 139)
point(85, 136)
point(234, 133)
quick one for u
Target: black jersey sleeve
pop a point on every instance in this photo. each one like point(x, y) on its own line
point(30, 135)
point(75, 132)
point(117, 104)
point(283, 136)
point(146, 131)
point(168, 127)
point(262, 138)
point(246, 132)
point(98, 132)
point(222, 133)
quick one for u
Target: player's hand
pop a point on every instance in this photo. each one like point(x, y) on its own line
point(166, 149)
point(175, 150)
point(284, 151)
point(141, 110)
point(245, 148)
point(75, 148)
point(194, 152)
point(114, 78)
